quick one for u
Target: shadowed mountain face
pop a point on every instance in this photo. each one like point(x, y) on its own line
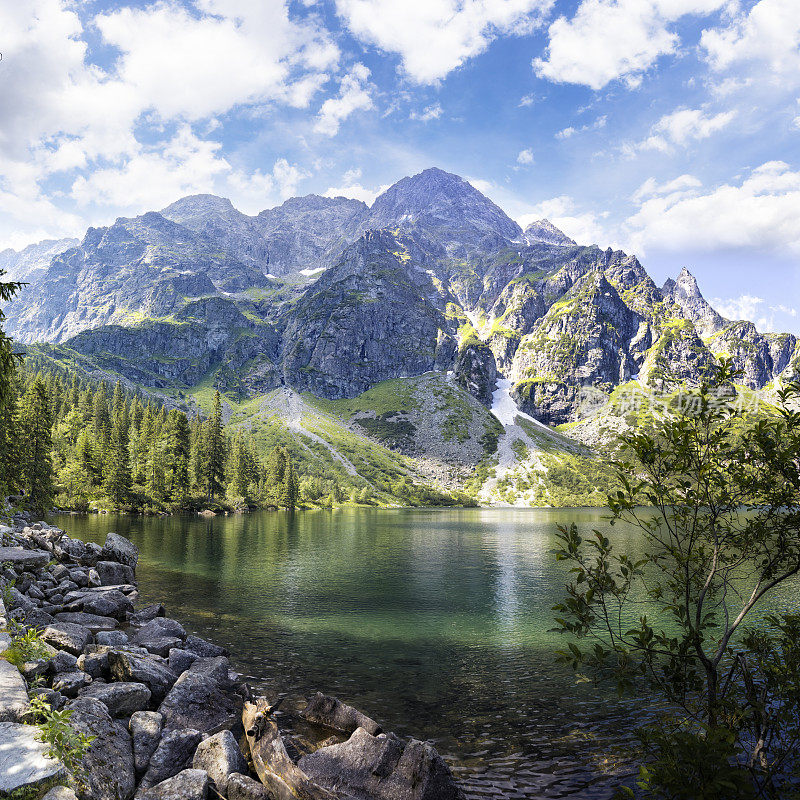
point(331, 296)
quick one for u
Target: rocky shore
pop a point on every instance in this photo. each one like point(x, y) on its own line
point(162, 714)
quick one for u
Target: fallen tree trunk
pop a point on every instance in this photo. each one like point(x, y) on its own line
point(271, 761)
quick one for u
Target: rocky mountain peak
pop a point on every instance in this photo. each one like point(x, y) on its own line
point(686, 293)
point(543, 231)
point(198, 205)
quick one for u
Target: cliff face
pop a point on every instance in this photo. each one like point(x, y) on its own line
point(331, 297)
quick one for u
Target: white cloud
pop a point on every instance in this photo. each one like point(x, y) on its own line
point(768, 33)
point(527, 100)
point(681, 127)
point(434, 37)
point(563, 212)
point(608, 40)
point(753, 308)
point(354, 95)
point(759, 212)
point(569, 132)
point(652, 188)
point(352, 187)
point(525, 157)
point(433, 111)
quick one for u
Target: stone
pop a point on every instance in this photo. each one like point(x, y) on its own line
point(67, 636)
point(112, 573)
point(333, 713)
point(118, 548)
point(39, 617)
point(112, 638)
point(382, 767)
point(160, 627)
point(160, 645)
point(60, 793)
point(107, 603)
point(203, 648)
point(24, 764)
point(70, 683)
point(91, 556)
point(91, 621)
point(202, 698)
point(108, 763)
point(95, 661)
point(220, 755)
point(20, 557)
point(189, 784)
point(52, 698)
point(13, 693)
point(124, 665)
point(147, 614)
point(122, 698)
point(180, 660)
point(173, 754)
point(243, 787)
point(63, 661)
point(145, 728)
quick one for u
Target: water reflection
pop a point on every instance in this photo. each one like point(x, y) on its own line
point(435, 622)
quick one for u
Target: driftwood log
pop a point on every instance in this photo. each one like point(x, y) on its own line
point(271, 761)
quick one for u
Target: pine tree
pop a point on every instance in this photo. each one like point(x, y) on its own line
point(214, 467)
point(117, 483)
point(35, 424)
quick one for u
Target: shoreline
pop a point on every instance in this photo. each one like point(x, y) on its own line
point(169, 716)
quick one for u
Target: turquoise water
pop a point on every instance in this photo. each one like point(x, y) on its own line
point(434, 622)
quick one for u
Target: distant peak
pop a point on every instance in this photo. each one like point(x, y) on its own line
point(545, 232)
point(194, 204)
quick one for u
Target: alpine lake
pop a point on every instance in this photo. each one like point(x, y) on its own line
point(434, 622)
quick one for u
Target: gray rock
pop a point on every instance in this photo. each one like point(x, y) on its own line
point(381, 767)
point(118, 548)
point(63, 661)
point(67, 636)
point(112, 573)
point(112, 638)
point(108, 764)
point(243, 787)
point(219, 756)
point(122, 698)
point(24, 765)
point(60, 793)
point(70, 683)
point(125, 665)
point(173, 754)
point(20, 557)
point(189, 784)
point(160, 645)
point(180, 660)
point(52, 698)
point(91, 621)
point(160, 627)
point(145, 728)
point(147, 614)
point(203, 648)
point(94, 661)
point(339, 716)
point(13, 693)
point(202, 698)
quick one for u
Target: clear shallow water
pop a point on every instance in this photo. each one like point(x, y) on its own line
point(434, 622)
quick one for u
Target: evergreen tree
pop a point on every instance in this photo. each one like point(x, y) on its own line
point(35, 426)
point(117, 483)
point(214, 466)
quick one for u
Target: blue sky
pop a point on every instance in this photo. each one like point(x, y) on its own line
point(669, 128)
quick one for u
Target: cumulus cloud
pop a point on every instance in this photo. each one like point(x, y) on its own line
point(525, 157)
point(652, 188)
point(766, 34)
point(609, 40)
point(758, 212)
point(755, 309)
point(569, 132)
point(355, 94)
point(433, 111)
point(434, 37)
point(680, 128)
point(351, 187)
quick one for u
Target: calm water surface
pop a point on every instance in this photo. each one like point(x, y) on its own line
point(434, 622)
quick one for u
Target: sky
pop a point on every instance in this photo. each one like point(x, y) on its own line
point(667, 128)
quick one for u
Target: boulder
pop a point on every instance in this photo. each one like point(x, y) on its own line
point(70, 683)
point(108, 763)
point(180, 660)
point(60, 793)
point(202, 698)
point(382, 767)
point(112, 573)
point(333, 713)
point(220, 755)
point(145, 728)
point(173, 754)
point(67, 636)
point(158, 628)
point(202, 648)
point(112, 638)
point(125, 665)
point(93, 622)
point(122, 698)
point(63, 661)
point(190, 784)
point(243, 787)
point(25, 768)
point(20, 557)
point(94, 661)
point(118, 548)
point(160, 645)
point(13, 693)
point(147, 614)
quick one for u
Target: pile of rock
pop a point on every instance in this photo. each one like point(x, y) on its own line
point(169, 717)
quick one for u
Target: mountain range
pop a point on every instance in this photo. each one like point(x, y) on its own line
point(327, 298)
